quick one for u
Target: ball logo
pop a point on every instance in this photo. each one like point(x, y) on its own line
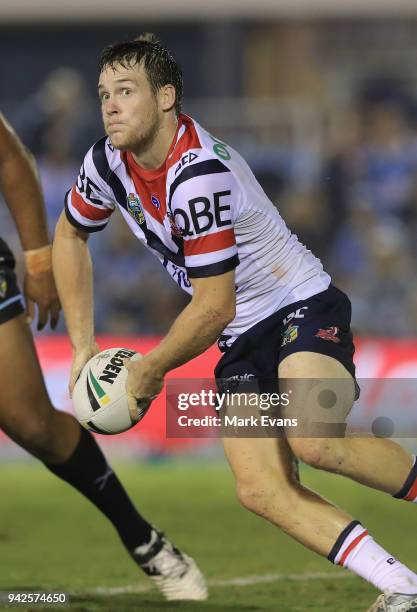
point(135, 208)
point(100, 398)
point(112, 369)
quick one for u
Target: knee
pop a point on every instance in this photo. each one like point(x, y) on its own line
point(263, 497)
point(320, 453)
point(35, 435)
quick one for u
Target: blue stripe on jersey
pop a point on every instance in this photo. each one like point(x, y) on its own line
point(210, 166)
point(103, 168)
point(215, 269)
point(75, 223)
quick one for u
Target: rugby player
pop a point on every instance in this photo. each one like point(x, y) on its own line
point(26, 413)
point(194, 202)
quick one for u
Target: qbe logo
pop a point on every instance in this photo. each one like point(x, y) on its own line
point(203, 213)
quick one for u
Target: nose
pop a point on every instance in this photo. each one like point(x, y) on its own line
point(110, 107)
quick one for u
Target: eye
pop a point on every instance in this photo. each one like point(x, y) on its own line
point(104, 96)
point(126, 91)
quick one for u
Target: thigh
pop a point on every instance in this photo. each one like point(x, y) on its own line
point(23, 395)
point(321, 391)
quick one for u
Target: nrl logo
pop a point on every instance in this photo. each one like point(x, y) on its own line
point(102, 356)
point(134, 208)
point(289, 335)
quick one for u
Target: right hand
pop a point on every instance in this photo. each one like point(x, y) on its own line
point(79, 359)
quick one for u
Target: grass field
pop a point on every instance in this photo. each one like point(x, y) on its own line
point(51, 538)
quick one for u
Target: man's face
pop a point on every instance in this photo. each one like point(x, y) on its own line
point(129, 107)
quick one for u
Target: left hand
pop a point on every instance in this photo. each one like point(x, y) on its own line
point(40, 289)
point(144, 383)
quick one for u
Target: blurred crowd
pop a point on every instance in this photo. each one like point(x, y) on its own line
point(352, 200)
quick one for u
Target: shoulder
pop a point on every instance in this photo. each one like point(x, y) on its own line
point(102, 159)
point(198, 167)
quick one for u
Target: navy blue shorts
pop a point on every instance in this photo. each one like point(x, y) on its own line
point(11, 300)
point(320, 324)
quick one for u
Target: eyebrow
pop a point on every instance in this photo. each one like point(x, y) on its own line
point(119, 81)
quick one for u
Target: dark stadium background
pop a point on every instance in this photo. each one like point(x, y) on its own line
point(322, 101)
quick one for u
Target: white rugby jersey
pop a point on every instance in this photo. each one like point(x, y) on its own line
point(202, 214)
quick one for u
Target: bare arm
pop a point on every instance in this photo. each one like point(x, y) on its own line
point(20, 186)
point(74, 280)
point(19, 183)
point(199, 325)
point(212, 307)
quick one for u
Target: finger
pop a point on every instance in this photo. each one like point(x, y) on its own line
point(42, 317)
point(133, 408)
point(55, 310)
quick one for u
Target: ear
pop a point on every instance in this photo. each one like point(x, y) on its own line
point(167, 97)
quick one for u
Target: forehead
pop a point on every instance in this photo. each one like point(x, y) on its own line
point(118, 73)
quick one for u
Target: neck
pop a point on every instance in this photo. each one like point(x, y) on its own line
point(156, 152)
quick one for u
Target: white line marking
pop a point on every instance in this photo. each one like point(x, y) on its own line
point(237, 581)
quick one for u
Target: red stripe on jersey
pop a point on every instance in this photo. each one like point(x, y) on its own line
point(351, 546)
point(208, 244)
point(87, 210)
point(412, 494)
point(148, 191)
point(150, 183)
point(189, 140)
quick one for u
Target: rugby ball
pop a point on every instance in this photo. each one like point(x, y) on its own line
point(99, 396)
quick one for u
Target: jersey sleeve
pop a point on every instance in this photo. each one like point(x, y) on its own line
point(202, 204)
point(90, 202)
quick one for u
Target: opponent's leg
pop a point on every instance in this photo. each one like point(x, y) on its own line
point(378, 463)
point(72, 453)
point(267, 485)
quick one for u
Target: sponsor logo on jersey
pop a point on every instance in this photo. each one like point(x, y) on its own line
point(175, 230)
point(289, 335)
point(219, 148)
point(3, 284)
point(225, 342)
point(331, 333)
point(204, 213)
point(297, 314)
point(135, 208)
point(156, 202)
point(188, 158)
point(242, 377)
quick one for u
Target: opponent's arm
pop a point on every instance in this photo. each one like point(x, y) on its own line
point(212, 307)
point(74, 280)
point(21, 188)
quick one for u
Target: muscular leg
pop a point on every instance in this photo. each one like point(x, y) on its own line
point(26, 413)
point(267, 485)
point(375, 462)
